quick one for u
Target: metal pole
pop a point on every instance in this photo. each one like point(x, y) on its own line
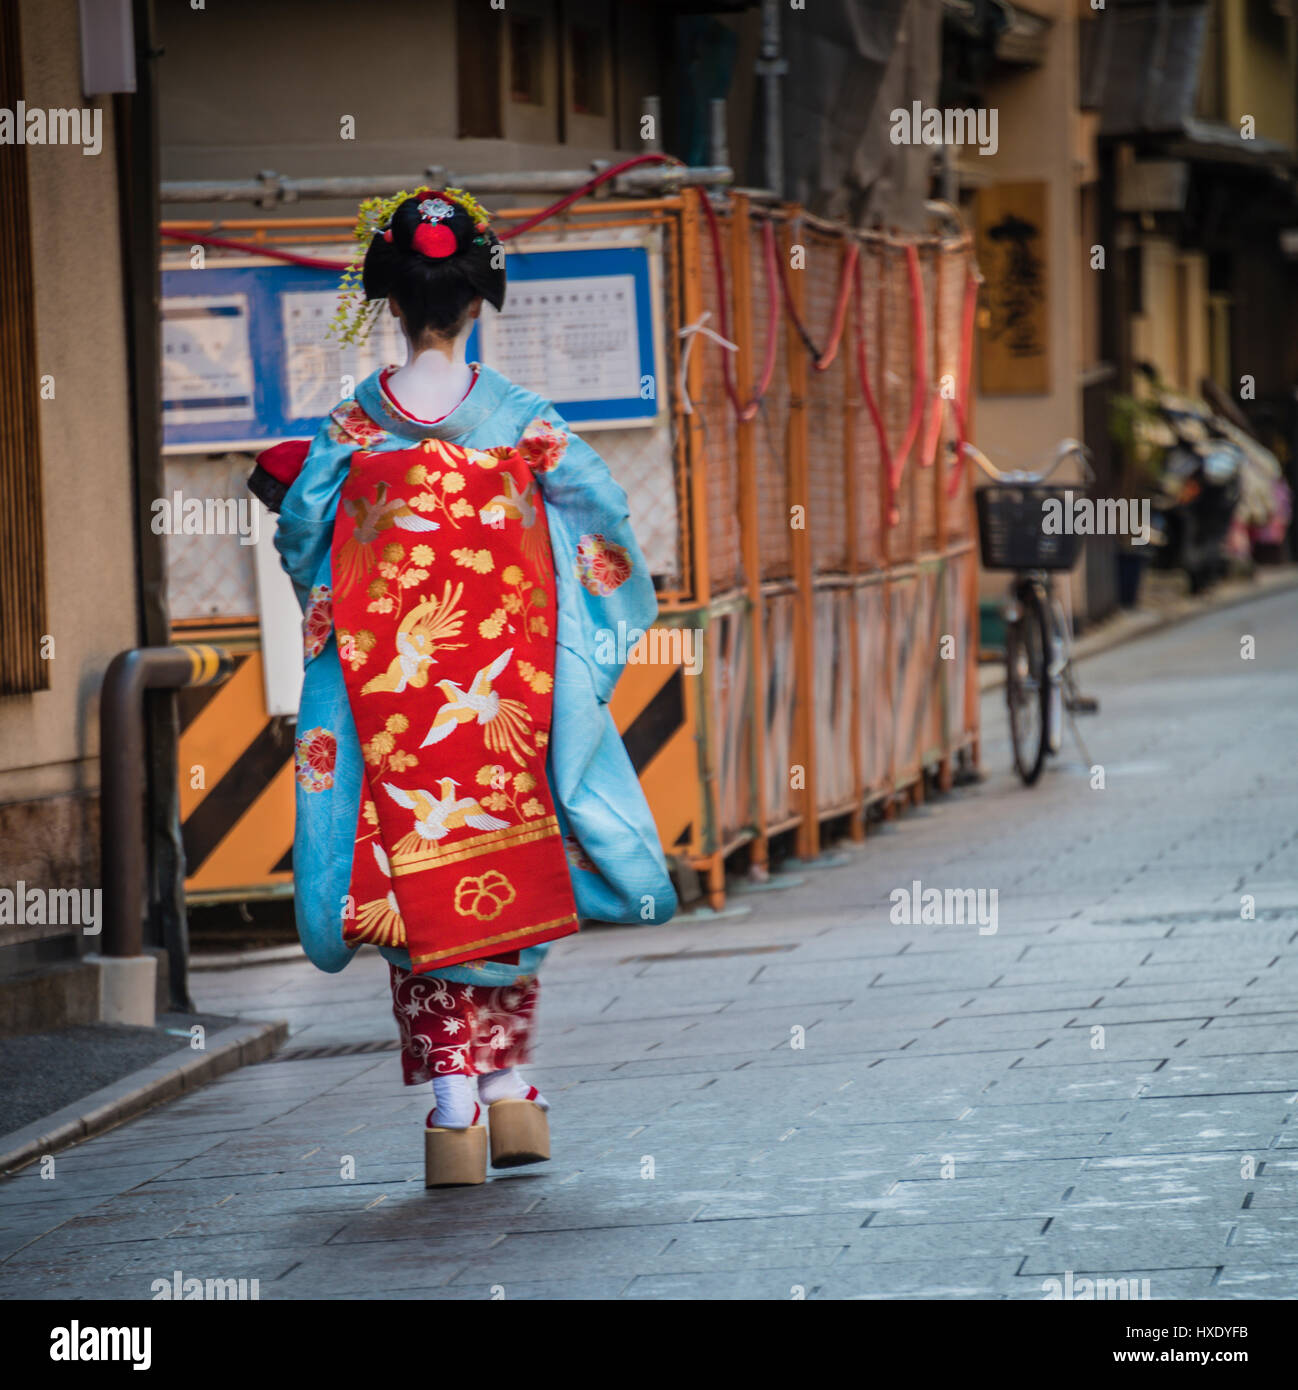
point(270, 189)
point(653, 109)
point(718, 149)
point(770, 68)
point(136, 124)
point(121, 775)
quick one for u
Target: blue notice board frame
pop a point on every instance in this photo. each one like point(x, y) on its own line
point(577, 263)
point(263, 287)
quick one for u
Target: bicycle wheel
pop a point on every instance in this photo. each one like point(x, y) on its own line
point(1027, 689)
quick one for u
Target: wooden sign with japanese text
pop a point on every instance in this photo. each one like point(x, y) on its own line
point(1013, 314)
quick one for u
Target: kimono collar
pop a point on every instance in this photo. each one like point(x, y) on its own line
point(484, 398)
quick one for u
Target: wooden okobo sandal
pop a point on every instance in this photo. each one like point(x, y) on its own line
point(520, 1132)
point(455, 1157)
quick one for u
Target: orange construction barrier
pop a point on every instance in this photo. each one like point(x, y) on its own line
point(809, 528)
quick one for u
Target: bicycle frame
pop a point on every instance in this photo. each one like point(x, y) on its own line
point(1059, 656)
point(1040, 583)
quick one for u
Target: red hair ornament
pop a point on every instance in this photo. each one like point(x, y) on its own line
point(434, 240)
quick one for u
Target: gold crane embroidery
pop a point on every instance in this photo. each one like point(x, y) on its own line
point(437, 816)
point(506, 724)
point(373, 517)
point(423, 631)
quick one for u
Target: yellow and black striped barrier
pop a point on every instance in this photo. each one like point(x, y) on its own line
point(235, 766)
point(654, 708)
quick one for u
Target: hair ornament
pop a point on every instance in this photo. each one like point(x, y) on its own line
point(470, 204)
point(434, 240)
point(355, 315)
point(435, 209)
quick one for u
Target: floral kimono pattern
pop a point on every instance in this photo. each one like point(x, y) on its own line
point(504, 469)
point(448, 1028)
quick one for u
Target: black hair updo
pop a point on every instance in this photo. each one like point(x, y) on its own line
point(433, 265)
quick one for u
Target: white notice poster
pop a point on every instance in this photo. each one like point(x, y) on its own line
point(569, 340)
point(206, 360)
point(315, 364)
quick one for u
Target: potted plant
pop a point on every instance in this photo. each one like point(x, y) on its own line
point(1139, 429)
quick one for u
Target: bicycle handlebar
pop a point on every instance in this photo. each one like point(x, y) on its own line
point(1063, 450)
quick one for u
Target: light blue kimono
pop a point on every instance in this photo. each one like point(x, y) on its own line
point(596, 792)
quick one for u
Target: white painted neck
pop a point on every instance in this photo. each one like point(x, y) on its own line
point(434, 380)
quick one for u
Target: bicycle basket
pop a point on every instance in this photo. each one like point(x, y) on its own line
point(1011, 527)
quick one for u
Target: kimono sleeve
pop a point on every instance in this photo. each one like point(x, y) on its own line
point(605, 591)
point(306, 519)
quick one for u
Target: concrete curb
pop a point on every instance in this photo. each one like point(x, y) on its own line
point(1127, 627)
point(165, 1079)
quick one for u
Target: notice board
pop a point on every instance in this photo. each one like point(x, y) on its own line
point(248, 359)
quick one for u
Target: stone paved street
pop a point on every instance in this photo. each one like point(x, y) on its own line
point(951, 1128)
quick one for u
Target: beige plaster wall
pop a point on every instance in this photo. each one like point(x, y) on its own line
point(49, 740)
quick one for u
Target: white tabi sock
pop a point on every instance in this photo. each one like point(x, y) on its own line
point(508, 1085)
point(455, 1107)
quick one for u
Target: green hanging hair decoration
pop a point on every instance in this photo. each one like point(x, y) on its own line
point(356, 315)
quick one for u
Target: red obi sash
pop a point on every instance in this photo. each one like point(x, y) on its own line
point(444, 608)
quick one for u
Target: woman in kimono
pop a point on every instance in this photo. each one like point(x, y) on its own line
point(463, 796)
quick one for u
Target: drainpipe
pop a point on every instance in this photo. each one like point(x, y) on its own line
point(127, 988)
point(770, 68)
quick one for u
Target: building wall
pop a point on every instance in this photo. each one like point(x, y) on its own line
point(1258, 67)
point(1155, 331)
point(49, 741)
point(1037, 113)
point(1037, 128)
point(252, 87)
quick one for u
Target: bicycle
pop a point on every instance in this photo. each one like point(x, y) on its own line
point(1039, 683)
